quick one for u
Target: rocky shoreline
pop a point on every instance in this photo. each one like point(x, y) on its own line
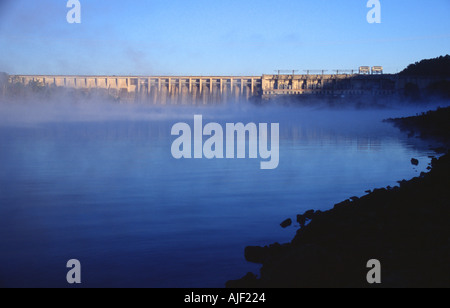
point(405, 227)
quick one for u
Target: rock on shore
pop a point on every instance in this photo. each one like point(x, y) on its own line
point(406, 228)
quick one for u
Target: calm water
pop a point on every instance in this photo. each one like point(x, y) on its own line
point(106, 191)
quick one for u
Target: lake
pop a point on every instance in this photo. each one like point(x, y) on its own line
point(100, 185)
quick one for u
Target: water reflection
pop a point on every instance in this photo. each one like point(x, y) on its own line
point(110, 194)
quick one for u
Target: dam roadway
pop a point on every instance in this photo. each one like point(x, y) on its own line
point(217, 89)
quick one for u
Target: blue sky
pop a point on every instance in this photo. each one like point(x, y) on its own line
point(201, 37)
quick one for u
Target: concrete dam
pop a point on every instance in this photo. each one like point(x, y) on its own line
point(183, 90)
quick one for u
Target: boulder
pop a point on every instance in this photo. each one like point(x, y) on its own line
point(309, 214)
point(301, 219)
point(286, 223)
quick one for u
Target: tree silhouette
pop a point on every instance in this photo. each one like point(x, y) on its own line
point(437, 67)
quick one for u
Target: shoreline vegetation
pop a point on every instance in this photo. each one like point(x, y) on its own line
point(405, 227)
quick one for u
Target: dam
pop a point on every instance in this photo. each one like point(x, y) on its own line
point(202, 90)
point(157, 89)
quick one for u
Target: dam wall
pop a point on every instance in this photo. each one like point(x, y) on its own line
point(157, 90)
point(204, 90)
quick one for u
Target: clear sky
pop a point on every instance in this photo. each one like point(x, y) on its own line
point(205, 37)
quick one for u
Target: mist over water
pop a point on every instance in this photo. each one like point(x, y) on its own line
point(96, 181)
point(64, 108)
